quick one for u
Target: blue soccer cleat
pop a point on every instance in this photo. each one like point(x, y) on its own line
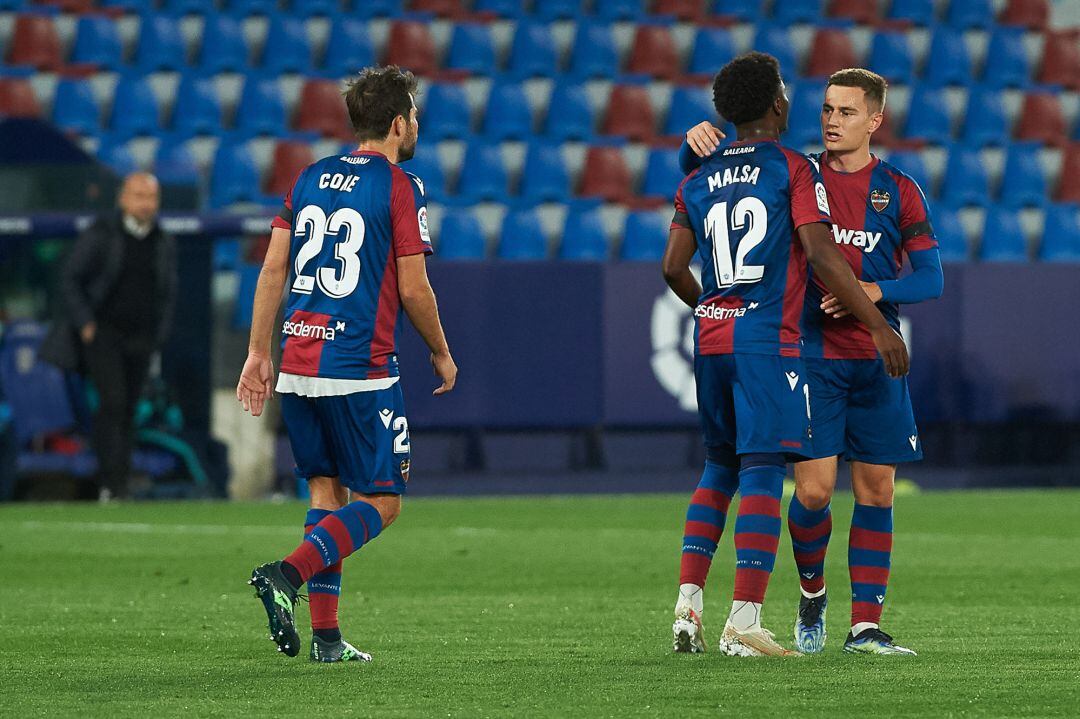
point(875, 641)
point(810, 624)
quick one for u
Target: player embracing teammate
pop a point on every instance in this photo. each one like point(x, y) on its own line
point(350, 245)
point(756, 213)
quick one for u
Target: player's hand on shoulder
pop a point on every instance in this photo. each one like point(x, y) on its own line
point(833, 307)
point(445, 369)
point(256, 383)
point(704, 138)
point(892, 349)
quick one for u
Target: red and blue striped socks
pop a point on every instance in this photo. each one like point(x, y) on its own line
point(705, 519)
point(335, 537)
point(757, 526)
point(869, 557)
point(324, 588)
point(810, 531)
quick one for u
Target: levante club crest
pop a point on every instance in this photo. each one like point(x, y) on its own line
point(405, 470)
point(879, 199)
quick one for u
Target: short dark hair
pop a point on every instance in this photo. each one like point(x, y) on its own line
point(376, 97)
point(871, 83)
point(745, 88)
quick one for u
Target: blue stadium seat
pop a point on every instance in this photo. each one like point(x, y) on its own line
point(790, 12)
point(227, 255)
point(965, 14)
point(35, 390)
point(262, 109)
point(318, 8)
point(348, 48)
point(483, 174)
point(74, 107)
point(776, 41)
point(965, 182)
point(594, 53)
point(920, 12)
point(135, 108)
point(460, 236)
point(745, 10)
point(985, 122)
point(1023, 183)
point(804, 121)
point(224, 48)
point(510, 9)
point(425, 165)
point(378, 8)
point(161, 45)
point(471, 49)
point(1061, 234)
point(911, 164)
point(570, 115)
point(115, 153)
point(97, 41)
point(197, 110)
point(446, 112)
point(533, 52)
point(619, 9)
point(891, 57)
point(948, 61)
point(713, 48)
point(245, 295)
point(927, 118)
point(1003, 238)
point(644, 237)
point(1006, 62)
point(508, 115)
point(286, 48)
point(544, 176)
point(949, 231)
point(557, 9)
point(129, 5)
point(175, 165)
point(522, 237)
point(662, 174)
point(583, 236)
point(189, 7)
point(689, 106)
point(246, 8)
point(234, 176)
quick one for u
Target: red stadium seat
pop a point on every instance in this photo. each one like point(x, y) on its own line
point(861, 11)
point(1042, 119)
point(1061, 59)
point(35, 42)
point(321, 109)
point(17, 98)
point(630, 113)
point(654, 53)
point(1032, 14)
point(442, 8)
point(290, 157)
point(830, 51)
point(411, 46)
point(886, 134)
point(1068, 188)
point(606, 175)
point(689, 10)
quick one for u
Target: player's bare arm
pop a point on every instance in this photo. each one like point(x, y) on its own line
point(418, 301)
point(834, 271)
point(256, 383)
point(676, 266)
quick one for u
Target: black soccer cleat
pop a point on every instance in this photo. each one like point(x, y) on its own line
point(339, 651)
point(279, 601)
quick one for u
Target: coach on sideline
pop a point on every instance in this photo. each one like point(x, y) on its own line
point(117, 293)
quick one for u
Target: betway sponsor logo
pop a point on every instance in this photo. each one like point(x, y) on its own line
point(715, 312)
point(866, 241)
point(306, 329)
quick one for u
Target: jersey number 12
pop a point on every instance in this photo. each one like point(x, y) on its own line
point(717, 229)
point(335, 282)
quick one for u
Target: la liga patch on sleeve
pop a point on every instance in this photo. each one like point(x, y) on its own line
point(822, 198)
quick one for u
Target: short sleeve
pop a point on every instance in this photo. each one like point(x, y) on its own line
point(681, 219)
point(408, 214)
point(284, 218)
point(916, 232)
point(809, 201)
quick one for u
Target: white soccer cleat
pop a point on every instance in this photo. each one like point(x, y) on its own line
point(689, 637)
point(759, 642)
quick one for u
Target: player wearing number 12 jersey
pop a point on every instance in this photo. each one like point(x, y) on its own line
point(756, 214)
point(349, 245)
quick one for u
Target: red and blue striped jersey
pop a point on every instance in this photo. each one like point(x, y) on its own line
point(351, 217)
point(879, 213)
point(743, 205)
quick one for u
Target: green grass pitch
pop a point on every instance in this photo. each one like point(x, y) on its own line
point(520, 607)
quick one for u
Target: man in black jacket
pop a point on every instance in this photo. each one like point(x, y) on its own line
point(118, 290)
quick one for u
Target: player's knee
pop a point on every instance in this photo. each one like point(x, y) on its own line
point(875, 495)
point(389, 511)
point(813, 496)
point(325, 494)
point(873, 485)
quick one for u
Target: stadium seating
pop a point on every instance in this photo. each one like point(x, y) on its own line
point(912, 165)
point(985, 123)
point(606, 174)
point(425, 165)
point(175, 165)
point(286, 48)
point(965, 180)
point(1061, 59)
point(619, 9)
point(1061, 234)
point(471, 49)
point(1006, 61)
point(831, 50)
point(804, 119)
point(235, 177)
point(321, 109)
point(1042, 119)
point(891, 57)
point(654, 53)
point(859, 11)
point(689, 106)
point(1030, 14)
point(500, 8)
point(1003, 238)
point(594, 53)
point(644, 237)
point(630, 113)
point(117, 156)
point(583, 236)
point(713, 47)
point(662, 174)
point(544, 177)
point(446, 112)
point(161, 46)
point(746, 10)
point(290, 157)
point(558, 9)
point(952, 242)
point(533, 51)
point(927, 119)
point(460, 236)
point(97, 42)
point(965, 14)
point(570, 115)
point(224, 48)
point(411, 46)
point(1023, 183)
point(262, 109)
point(135, 108)
point(508, 115)
point(522, 237)
point(197, 109)
point(347, 48)
point(378, 8)
point(35, 42)
point(17, 98)
point(948, 62)
point(74, 107)
point(775, 40)
point(483, 174)
point(919, 12)
point(1068, 188)
point(791, 12)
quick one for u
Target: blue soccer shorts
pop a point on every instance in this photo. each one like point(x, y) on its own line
point(861, 413)
point(361, 438)
point(753, 403)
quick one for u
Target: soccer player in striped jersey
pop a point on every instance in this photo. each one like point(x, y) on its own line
point(879, 214)
point(350, 246)
point(756, 214)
